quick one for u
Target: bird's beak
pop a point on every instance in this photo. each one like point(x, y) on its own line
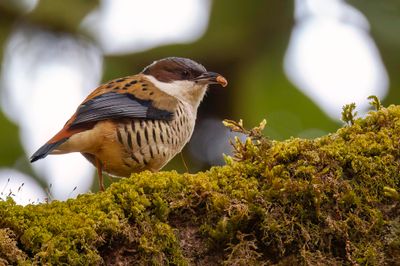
point(211, 78)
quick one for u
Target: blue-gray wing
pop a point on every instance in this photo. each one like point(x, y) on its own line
point(112, 105)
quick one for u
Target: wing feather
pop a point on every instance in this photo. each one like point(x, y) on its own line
point(114, 100)
point(112, 105)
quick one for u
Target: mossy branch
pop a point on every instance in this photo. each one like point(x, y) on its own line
point(328, 201)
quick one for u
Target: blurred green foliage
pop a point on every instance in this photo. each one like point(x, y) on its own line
point(9, 142)
point(384, 19)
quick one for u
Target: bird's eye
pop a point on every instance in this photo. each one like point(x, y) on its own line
point(185, 73)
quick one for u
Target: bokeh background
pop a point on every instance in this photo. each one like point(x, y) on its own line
point(293, 62)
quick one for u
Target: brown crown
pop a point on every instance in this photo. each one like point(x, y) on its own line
point(174, 68)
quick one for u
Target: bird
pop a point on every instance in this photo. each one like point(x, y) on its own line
point(136, 123)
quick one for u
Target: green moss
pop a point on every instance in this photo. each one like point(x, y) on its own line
point(333, 200)
point(9, 252)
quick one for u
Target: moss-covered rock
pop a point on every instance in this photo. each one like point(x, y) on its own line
point(329, 201)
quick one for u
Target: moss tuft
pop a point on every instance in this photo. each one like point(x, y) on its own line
point(329, 201)
point(9, 251)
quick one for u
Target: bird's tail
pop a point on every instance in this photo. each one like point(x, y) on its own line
point(46, 149)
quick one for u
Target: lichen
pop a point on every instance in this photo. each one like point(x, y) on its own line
point(328, 201)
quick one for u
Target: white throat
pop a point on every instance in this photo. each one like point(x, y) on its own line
point(185, 90)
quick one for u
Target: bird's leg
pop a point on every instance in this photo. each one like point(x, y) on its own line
point(184, 163)
point(100, 173)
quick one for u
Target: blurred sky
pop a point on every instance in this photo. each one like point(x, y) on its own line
point(330, 57)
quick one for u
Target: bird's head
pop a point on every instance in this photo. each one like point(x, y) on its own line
point(182, 78)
